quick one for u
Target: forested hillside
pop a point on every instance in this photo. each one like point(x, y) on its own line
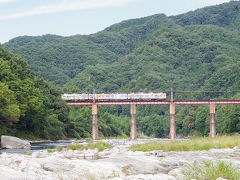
point(68, 56)
point(197, 54)
point(29, 106)
point(32, 108)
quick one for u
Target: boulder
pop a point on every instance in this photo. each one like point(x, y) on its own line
point(10, 142)
point(220, 178)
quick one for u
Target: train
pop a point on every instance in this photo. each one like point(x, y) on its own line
point(113, 97)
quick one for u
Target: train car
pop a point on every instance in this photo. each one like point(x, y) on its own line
point(75, 97)
point(105, 97)
point(114, 97)
point(99, 96)
point(82, 97)
point(67, 96)
point(147, 96)
point(120, 96)
point(159, 96)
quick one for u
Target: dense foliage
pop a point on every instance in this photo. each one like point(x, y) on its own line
point(197, 53)
point(29, 104)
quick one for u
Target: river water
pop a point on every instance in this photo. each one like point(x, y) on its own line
point(36, 146)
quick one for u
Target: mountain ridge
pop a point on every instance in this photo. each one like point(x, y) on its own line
point(68, 56)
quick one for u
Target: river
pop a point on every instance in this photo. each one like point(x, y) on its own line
point(37, 146)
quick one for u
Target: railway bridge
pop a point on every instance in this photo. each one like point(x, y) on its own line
point(140, 99)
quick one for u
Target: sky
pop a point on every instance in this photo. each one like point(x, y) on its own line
point(70, 17)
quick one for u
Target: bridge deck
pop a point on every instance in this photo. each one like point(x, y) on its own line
point(153, 102)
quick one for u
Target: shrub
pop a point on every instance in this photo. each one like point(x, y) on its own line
point(59, 148)
point(27, 153)
point(51, 150)
point(195, 144)
point(208, 170)
point(76, 146)
point(99, 145)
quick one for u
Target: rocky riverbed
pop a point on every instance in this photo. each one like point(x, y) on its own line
point(116, 163)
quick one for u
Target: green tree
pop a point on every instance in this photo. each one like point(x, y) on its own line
point(9, 109)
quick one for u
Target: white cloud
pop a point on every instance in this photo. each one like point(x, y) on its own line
point(5, 1)
point(67, 6)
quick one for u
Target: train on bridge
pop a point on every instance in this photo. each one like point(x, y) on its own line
point(133, 99)
point(115, 97)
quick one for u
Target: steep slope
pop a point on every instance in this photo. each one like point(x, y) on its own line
point(59, 59)
point(183, 58)
point(28, 104)
point(224, 15)
point(124, 37)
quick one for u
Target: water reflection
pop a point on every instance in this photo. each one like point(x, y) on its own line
point(36, 146)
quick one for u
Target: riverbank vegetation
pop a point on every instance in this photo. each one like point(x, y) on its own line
point(195, 144)
point(100, 145)
point(208, 170)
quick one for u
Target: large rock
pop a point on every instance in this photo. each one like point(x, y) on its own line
point(10, 142)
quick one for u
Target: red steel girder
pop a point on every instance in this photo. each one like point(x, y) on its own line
point(154, 102)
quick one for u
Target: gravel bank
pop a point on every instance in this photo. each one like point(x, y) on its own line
point(116, 163)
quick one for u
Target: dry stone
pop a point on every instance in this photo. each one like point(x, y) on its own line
point(10, 142)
